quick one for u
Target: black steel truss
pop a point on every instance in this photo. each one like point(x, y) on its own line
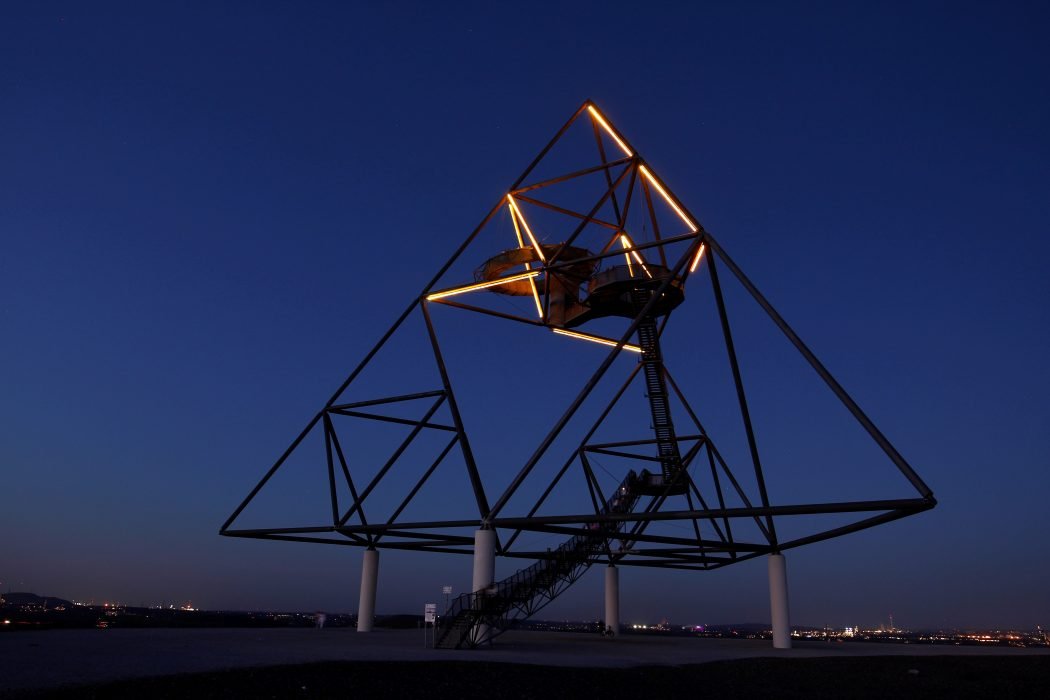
point(678, 254)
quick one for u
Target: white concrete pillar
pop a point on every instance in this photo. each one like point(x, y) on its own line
point(484, 559)
point(778, 601)
point(366, 608)
point(612, 598)
point(484, 572)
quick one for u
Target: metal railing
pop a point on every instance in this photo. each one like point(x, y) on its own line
point(481, 615)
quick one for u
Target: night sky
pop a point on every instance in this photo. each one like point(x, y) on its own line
point(209, 213)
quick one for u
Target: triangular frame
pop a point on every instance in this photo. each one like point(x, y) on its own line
point(542, 263)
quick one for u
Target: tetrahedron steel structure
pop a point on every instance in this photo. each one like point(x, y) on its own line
point(600, 250)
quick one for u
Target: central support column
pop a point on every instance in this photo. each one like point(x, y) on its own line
point(366, 607)
point(612, 599)
point(778, 601)
point(484, 573)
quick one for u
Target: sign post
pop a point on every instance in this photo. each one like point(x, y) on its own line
point(429, 619)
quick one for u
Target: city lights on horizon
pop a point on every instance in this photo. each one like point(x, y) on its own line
point(885, 631)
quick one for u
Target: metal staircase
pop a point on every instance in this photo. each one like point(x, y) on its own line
point(656, 390)
point(475, 618)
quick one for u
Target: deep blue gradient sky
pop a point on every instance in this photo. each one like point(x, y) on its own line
point(208, 214)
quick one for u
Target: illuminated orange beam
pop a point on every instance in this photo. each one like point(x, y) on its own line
point(668, 199)
point(483, 285)
point(609, 130)
point(641, 262)
point(528, 266)
point(627, 254)
point(629, 247)
point(596, 339)
point(535, 245)
point(517, 229)
point(696, 260)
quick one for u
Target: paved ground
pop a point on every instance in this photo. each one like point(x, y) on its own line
point(58, 657)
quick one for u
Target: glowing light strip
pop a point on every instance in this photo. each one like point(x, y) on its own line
point(608, 129)
point(627, 254)
point(640, 262)
point(536, 298)
point(528, 230)
point(696, 260)
point(596, 339)
point(483, 285)
point(667, 198)
point(517, 230)
point(627, 246)
point(528, 266)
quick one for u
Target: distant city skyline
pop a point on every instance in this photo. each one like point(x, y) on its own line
point(846, 631)
point(211, 213)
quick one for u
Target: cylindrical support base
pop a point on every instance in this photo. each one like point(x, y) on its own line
point(484, 559)
point(484, 574)
point(366, 608)
point(612, 599)
point(778, 601)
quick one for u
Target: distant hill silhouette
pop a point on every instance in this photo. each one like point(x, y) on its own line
point(24, 598)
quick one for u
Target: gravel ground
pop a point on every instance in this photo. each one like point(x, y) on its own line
point(1014, 677)
point(394, 663)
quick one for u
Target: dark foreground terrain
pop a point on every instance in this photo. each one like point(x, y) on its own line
point(859, 677)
